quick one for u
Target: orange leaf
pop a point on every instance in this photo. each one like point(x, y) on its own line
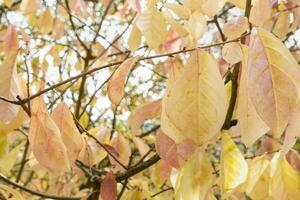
point(45, 139)
point(116, 85)
point(9, 88)
point(69, 132)
point(146, 111)
point(11, 41)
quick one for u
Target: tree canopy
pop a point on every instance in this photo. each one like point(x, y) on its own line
point(150, 99)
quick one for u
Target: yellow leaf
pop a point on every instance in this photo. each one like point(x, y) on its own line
point(3, 144)
point(232, 53)
point(15, 193)
point(195, 178)
point(194, 106)
point(292, 132)
point(193, 5)
point(58, 29)
point(197, 25)
point(8, 161)
point(152, 24)
point(211, 7)
point(260, 12)
point(181, 30)
point(115, 88)
point(238, 3)
point(45, 139)
point(8, 3)
point(234, 168)
point(70, 135)
point(257, 184)
point(46, 22)
point(179, 10)
point(135, 37)
point(9, 88)
point(285, 180)
point(274, 80)
point(252, 126)
point(282, 25)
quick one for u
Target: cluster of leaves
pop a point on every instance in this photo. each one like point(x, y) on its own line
point(156, 99)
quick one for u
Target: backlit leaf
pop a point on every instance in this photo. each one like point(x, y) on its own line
point(252, 126)
point(195, 178)
point(260, 12)
point(234, 168)
point(70, 135)
point(9, 88)
point(153, 26)
point(274, 80)
point(116, 84)
point(146, 111)
point(194, 105)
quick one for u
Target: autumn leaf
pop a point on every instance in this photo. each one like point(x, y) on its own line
point(179, 10)
point(8, 161)
point(70, 135)
point(144, 112)
point(257, 183)
point(236, 27)
point(135, 38)
point(46, 22)
point(11, 41)
point(285, 180)
point(195, 178)
point(234, 168)
point(108, 190)
point(166, 149)
point(45, 139)
point(232, 53)
point(274, 78)
point(153, 26)
point(116, 84)
point(196, 25)
point(29, 6)
point(260, 12)
point(194, 105)
point(252, 126)
point(9, 88)
point(120, 144)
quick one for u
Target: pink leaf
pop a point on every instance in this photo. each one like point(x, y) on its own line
point(166, 149)
point(108, 189)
